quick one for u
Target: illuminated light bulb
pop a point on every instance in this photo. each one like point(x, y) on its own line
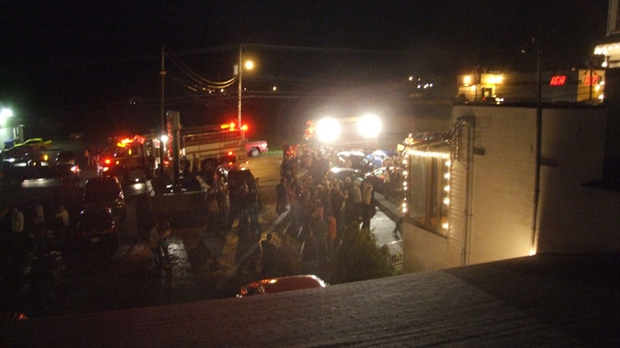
point(447, 175)
point(446, 201)
point(447, 188)
point(448, 163)
point(405, 173)
point(445, 226)
point(405, 161)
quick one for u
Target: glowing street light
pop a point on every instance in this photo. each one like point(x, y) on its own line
point(6, 113)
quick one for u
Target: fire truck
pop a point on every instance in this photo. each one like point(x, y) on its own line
point(138, 158)
point(214, 145)
point(132, 159)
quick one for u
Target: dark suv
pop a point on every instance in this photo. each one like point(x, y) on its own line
point(104, 209)
point(105, 191)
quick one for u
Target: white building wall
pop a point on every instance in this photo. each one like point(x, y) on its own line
point(575, 217)
point(503, 183)
point(572, 217)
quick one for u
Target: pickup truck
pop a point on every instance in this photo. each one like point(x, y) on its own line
point(255, 147)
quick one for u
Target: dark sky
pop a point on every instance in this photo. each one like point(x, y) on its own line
point(78, 66)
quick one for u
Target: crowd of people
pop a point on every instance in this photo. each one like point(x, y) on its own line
point(318, 212)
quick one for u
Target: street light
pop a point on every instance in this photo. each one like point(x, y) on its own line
point(249, 65)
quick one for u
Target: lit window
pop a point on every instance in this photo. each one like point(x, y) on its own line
point(428, 192)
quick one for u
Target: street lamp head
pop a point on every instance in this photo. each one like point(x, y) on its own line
point(6, 113)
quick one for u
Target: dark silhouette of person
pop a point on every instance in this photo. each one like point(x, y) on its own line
point(268, 261)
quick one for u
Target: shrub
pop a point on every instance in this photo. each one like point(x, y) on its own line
point(359, 257)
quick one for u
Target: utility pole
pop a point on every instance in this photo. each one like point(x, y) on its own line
point(534, 245)
point(240, 86)
point(162, 113)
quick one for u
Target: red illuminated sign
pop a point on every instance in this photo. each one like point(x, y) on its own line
point(557, 80)
point(591, 80)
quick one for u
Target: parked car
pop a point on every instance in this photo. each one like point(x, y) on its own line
point(68, 170)
point(256, 147)
point(37, 142)
point(99, 224)
point(275, 285)
point(337, 173)
point(19, 152)
point(65, 157)
point(377, 157)
point(427, 137)
point(105, 191)
point(353, 159)
point(377, 179)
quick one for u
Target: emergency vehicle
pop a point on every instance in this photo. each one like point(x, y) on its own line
point(130, 158)
point(214, 144)
point(349, 133)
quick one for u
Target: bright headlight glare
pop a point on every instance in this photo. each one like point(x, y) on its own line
point(328, 130)
point(369, 126)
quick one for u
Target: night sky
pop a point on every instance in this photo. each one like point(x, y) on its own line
point(94, 67)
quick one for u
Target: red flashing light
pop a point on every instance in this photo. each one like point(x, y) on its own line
point(244, 127)
point(230, 153)
point(557, 80)
point(107, 161)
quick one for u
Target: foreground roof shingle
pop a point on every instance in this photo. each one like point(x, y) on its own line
point(545, 300)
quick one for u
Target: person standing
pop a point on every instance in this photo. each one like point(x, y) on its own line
point(243, 203)
point(268, 259)
point(285, 149)
point(287, 258)
point(281, 192)
point(223, 203)
point(17, 231)
point(318, 229)
point(155, 245)
point(164, 233)
point(195, 164)
point(88, 157)
point(63, 216)
point(367, 204)
point(213, 210)
point(332, 233)
point(309, 255)
point(356, 201)
point(39, 231)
